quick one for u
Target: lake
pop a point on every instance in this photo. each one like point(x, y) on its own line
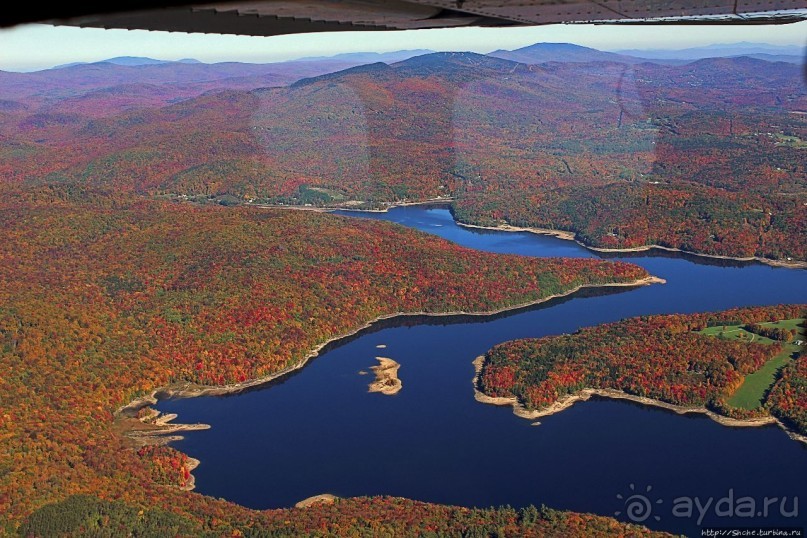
point(319, 430)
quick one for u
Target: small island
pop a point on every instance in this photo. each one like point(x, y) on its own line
point(386, 377)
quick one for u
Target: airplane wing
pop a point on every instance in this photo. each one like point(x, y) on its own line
point(276, 17)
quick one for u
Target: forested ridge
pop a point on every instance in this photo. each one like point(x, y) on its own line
point(706, 157)
point(105, 297)
point(661, 357)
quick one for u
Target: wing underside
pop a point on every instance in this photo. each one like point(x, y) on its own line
point(276, 17)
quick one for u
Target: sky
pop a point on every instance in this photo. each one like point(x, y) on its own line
point(39, 46)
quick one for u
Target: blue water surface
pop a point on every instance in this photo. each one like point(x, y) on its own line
point(319, 430)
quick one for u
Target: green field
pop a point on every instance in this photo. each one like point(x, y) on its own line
point(789, 140)
point(751, 393)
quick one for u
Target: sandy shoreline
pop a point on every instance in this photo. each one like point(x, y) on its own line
point(571, 236)
point(560, 234)
point(583, 395)
point(154, 429)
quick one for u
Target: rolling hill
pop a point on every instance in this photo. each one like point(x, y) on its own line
point(704, 157)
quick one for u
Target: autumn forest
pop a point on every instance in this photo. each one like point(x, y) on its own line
point(664, 358)
point(705, 157)
point(164, 227)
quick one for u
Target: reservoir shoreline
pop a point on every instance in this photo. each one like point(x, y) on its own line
point(191, 391)
point(161, 432)
point(560, 234)
point(572, 236)
point(583, 395)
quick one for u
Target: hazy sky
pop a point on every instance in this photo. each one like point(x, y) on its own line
point(40, 46)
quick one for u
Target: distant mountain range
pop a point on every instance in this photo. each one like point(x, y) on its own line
point(561, 52)
point(130, 82)
point(147, 82)
point(131, 61)
point(565, 52)
point(348, 57)
point(537, 53)
point(789, 53)
point(370, 57)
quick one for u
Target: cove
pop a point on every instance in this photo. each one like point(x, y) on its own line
point(319, 430)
